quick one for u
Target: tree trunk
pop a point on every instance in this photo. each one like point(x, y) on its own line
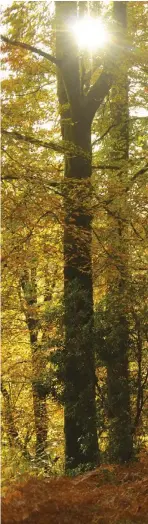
point(12, 432)
point(80, 410)
point(29, 287)
point(10, 424)
point(120, 428)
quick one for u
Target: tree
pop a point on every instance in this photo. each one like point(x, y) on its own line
point(77, 113)
point(120, 429)
point(115, 321)
point(28, 284)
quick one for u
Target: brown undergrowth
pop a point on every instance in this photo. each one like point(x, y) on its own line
point(106, 495)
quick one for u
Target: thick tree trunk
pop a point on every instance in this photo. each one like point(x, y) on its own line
point(120, 429)
point(80, 410)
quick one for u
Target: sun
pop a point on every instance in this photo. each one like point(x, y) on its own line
point(90, 33)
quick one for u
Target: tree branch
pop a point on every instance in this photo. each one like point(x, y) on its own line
point(4, 258)
point(106, 166)
point(112, 257)
point(32, 140)
point(31, 48)
point(104, 134)
point(97, 93)
point(62, 147)
point(138, 173)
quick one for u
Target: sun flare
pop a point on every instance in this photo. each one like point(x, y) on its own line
point(90, 33)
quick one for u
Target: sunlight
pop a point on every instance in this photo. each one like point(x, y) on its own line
point(90, 33)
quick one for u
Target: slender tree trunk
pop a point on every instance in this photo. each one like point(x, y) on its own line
point(12, 432)
point(39, 402)
point(10, 424)
point(120, 429)
point(29, 287)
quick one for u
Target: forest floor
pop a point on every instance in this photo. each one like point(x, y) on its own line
point(107, 495)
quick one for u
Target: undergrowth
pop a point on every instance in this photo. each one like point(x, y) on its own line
point(109, 494)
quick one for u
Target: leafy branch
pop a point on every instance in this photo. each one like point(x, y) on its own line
point(32, 140)
point(31, 48)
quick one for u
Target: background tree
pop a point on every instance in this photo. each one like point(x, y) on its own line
point(115, 327)
point(120, 430)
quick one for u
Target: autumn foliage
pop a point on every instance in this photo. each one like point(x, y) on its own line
point(74, 261)
point(109, 494)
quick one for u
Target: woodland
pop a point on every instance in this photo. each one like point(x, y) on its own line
point(74, 262)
